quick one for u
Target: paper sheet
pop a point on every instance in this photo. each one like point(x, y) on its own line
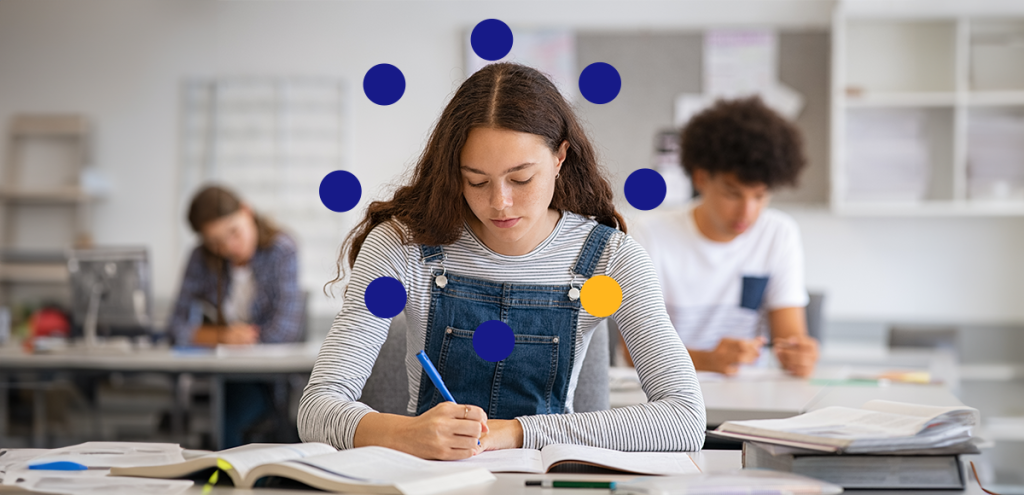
point(506, 461)
point(116, 454)
point(96, 483)
point(658, 463)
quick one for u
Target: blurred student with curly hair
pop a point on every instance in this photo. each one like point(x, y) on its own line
point(727, 263)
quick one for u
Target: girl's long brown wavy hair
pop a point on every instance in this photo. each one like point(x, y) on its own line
point(504, 96)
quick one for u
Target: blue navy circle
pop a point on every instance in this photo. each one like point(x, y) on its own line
point(385, 297)
point(491, 39)
point(493, 341)
point(340, 191)
point(384, 84)
point(600, 83)
point(645, 189)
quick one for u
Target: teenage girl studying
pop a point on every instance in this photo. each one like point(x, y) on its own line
point(506, 216)
point(240, 287)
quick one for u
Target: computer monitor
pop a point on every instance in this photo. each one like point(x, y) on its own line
point(110, 291)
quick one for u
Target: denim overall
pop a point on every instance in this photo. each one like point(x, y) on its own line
point(534, 379)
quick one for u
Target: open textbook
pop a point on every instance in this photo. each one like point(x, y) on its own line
point(365, 469)
point(878, 426)
point(552, 456)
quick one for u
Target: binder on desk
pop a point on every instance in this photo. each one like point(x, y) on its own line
point(862, 471)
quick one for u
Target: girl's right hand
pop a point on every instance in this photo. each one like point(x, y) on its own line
point(446, 432)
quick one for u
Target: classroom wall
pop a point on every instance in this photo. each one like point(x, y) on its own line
point(120, 61)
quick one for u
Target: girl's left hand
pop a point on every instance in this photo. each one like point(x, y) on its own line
point(503, 434)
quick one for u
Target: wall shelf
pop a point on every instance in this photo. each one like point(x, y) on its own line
point(927, 111)
point(53, 196)
point(900, 99)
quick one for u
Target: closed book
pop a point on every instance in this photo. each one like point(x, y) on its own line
point(861, 471)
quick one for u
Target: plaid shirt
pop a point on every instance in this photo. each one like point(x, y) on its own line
point(277, 306)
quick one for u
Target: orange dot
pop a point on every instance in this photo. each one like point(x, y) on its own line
point(601, 296)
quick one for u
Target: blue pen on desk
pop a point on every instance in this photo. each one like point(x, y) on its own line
point(59, 466)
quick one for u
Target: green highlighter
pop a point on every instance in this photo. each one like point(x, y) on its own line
point(600, 485)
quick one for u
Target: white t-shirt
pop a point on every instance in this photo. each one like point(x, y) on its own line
point(238, 304)
point(720, 289)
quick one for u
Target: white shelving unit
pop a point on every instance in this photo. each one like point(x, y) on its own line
point(42, 185)
point(928, 108)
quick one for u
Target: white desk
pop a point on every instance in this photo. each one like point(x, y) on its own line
point(266, 361)
point(266, 358)
point(710, 461)
point(771, 394)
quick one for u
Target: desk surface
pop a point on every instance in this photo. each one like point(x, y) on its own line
point(770, 394)
point(267, 358)
point(710, 461)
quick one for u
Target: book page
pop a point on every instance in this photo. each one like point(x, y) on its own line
point(837, 422)
point(929, 412)
point(380, 465)
point(243, 459)
point(661, 463)
point(505, 461)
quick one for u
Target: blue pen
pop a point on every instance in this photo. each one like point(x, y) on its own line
point(59, 466)
point(434, 376)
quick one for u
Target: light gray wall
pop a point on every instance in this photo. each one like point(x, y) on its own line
point(120, 61)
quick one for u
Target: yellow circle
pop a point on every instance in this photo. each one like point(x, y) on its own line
point(601, 296)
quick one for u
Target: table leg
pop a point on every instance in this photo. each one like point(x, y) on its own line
point(4, 392)
point(178, 412)
point(39, 416)
point(217, 411)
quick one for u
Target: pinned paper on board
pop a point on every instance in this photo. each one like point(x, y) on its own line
point(551, 51)
point(740, 63)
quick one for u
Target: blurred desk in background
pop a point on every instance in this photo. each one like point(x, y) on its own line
point(284, 365)
point(770, 393)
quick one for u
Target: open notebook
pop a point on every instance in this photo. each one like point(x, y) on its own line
point(364, 470)
point(552, 456)
point(878, 426)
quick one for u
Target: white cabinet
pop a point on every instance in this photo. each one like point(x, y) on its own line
point(928, 108)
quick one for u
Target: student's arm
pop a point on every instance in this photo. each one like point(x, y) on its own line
point(785, 299)
point(797, 352)
point(725, 358)
point(285, 324)
point(728, 355)
point(674, 418)
point(236, 333)
point(329, 411)
point(182, 324)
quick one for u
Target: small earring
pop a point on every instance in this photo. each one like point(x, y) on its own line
point(556, 175)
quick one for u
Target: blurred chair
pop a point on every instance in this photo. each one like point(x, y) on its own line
point(815, 316)
point(927, 337)
point(387, 388)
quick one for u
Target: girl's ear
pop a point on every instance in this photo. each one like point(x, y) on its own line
point(563, 150)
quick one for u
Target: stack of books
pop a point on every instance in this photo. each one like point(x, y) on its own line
point(882, 445)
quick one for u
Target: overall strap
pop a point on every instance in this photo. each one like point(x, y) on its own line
point(586, 263)
point(431, 253)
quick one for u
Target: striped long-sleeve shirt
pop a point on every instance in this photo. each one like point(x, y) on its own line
point(673, 419)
